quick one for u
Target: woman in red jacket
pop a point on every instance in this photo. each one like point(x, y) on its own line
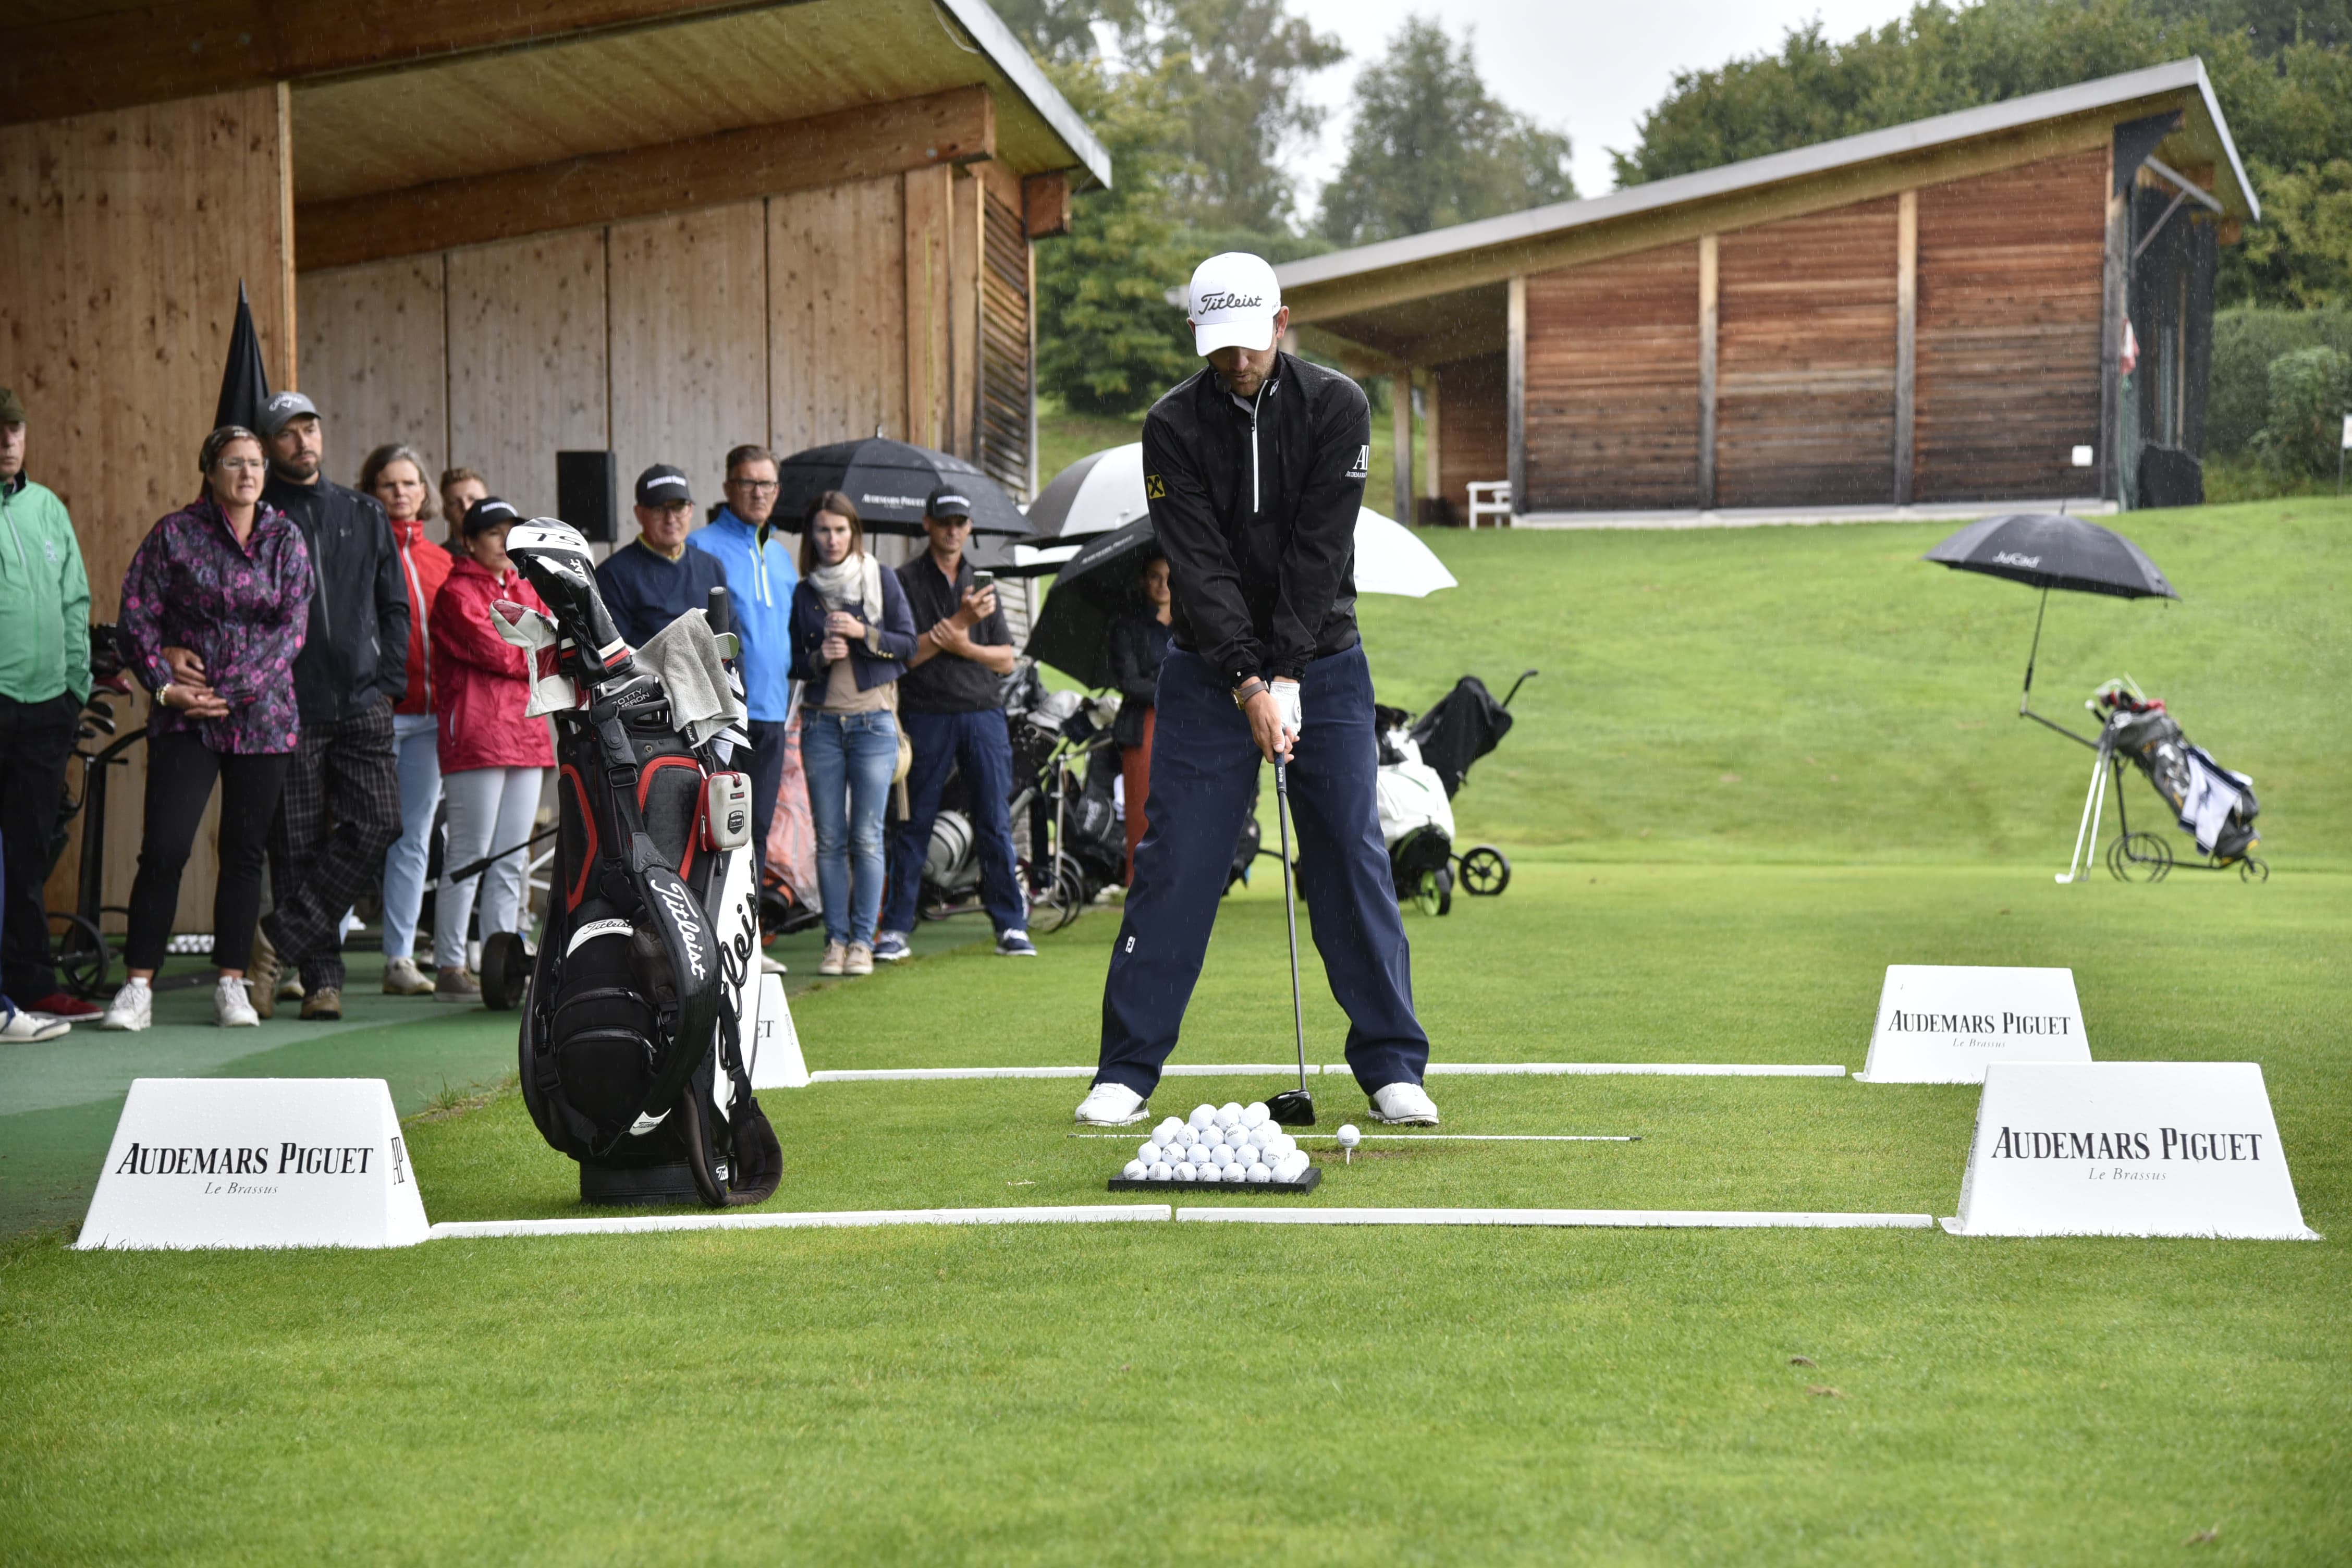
point(492, 756)
point(394, 475)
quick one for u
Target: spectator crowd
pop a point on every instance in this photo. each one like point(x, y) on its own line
point(311, 654)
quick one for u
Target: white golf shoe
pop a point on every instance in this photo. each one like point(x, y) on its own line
point(1404, 1105)
point(1112, 1105)
point(232, 1008)
point(133, 1008)
point(28, 1027)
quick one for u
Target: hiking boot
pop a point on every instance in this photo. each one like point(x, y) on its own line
point(403, 978)
point(22, 1027)
point(323, 1005)
point(291, 988)
point(232, 1008)
point(132, 1009)
point(836, 954)
point(263, 974)
point(890, 946)
point(859, 961)
point(457, 985)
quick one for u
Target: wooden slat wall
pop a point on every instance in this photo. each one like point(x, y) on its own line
point(1805, 387)
point(1005, 388)
point(1612, 386)
point(373, 360)
point(836, 313)
point(527, 361)
point(1474, 393)
point(122, 238)
point(926, 286)
point(689, 341)
point(2009, 285)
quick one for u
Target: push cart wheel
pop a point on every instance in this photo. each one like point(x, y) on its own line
point(506, 972)
point(1063, 898)
point(2139, 858)
point(1484, 873)
point(80, 956)
point(1434, 895)
point(2252, 869)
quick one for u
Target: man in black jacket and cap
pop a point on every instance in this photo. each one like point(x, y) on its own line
point(341, 810)
point(1255, 472)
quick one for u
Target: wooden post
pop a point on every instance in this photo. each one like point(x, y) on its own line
point(1907, 340)
point(2114, 273)
point(1518, 395)
point(1401, 422)
point(1709, 291)
point(1433, 480)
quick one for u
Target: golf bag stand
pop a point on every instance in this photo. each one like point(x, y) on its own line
point(643, 1000)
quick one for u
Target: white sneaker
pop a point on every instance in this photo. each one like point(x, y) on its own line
point(232, 1008)
point(24, 1027)
point(836, 955)
point(1404, 1105)
point(132, 1009)
point(1112, 1105)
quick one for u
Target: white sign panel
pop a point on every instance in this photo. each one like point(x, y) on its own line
point(2128, 1149)
point(778, 1062)
point(257, 1162)
point(1945, 1022)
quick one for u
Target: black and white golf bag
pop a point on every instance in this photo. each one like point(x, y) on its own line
point(644, 999)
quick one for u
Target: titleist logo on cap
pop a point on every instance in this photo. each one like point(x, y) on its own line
point(1225, 301)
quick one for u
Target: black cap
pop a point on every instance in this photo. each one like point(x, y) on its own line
point(487, 513)
point(947, 502)
point(284, 410)
point(662, 485)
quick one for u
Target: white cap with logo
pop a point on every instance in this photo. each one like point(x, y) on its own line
point(1232, 302)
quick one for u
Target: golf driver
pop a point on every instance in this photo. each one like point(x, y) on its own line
point(1292, 1107)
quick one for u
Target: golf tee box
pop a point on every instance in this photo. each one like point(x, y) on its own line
point(776, 1059)
point(256, 1162)
point(1306, 1184)
point(2186, 1149)
point(1942, 1023)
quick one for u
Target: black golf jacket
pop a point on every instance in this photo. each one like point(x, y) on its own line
point(1255, 509)
point(357, 649)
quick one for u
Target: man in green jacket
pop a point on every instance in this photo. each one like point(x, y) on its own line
point(44, 679)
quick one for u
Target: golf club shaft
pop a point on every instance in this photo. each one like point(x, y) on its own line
point(1290, 909)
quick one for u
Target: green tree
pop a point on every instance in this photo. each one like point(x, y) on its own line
point(1429, 146)
point(2311, 396)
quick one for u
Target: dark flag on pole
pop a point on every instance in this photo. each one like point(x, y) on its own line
point(245, 385)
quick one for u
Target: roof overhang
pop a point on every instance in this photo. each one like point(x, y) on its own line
point(1433, 296)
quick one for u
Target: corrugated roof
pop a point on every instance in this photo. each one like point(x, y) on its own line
point(1917, 135)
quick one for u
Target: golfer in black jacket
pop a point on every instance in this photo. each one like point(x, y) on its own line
point(1255, 472)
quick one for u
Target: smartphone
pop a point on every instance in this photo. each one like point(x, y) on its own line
point(982, 582)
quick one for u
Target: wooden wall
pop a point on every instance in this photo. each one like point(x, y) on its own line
point(2009, 280)
point(1474, 446)
point(1805, 347)
point(374, 342)
point(1611, 385)
point(122, 239)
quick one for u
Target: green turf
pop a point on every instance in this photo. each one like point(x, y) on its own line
point(1112, 1394)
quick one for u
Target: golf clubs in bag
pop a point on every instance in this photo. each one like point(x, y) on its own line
point(2214, 805)
point(644, 997)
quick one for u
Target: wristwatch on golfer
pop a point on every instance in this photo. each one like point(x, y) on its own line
point(1248, 688)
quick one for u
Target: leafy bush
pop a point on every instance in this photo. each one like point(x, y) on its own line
point(2311, 392)
point(2245, 340)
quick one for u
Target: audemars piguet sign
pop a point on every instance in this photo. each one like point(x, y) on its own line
point(2128, 1149)
point(776, 1061)
point(272, 1162)
point(1945, 1022)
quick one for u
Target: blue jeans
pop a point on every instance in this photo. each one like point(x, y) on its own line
point(1204, 764)
point(848, 758)
point(981, 747)
point(419, 755)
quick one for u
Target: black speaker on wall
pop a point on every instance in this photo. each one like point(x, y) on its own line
point(587, 493)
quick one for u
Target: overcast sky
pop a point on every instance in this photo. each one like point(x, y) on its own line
point(1586, 66)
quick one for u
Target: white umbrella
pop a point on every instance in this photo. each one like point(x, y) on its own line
point(1104, 491)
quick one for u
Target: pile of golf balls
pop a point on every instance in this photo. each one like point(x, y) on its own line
point(1228, 1143)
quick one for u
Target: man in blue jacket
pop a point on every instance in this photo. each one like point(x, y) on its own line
point(760, 582)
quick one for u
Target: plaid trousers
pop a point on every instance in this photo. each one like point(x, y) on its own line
point(340, 812)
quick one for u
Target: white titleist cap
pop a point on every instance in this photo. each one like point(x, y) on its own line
point(1232, 302)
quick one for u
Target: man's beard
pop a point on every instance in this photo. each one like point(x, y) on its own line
point(302, 469)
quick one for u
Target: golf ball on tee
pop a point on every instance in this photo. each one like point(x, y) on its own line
point(1203, 1116)
point(1348, 1136)
point(1255, 1113)
point(1260, 1171)
point(1185, 1170)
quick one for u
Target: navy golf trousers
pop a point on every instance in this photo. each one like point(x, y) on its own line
point(1204, 764)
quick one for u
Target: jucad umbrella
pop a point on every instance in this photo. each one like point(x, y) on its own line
point(2048, 549)
point(889, 480)
point(1099, 584)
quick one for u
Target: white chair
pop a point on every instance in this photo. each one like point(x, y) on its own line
point(1492, 499)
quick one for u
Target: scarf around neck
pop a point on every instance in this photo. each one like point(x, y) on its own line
point(854, 584)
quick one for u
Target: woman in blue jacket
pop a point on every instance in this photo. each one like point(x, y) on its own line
point(851, 637)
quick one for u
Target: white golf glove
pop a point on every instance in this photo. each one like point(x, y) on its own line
point(1286, 704)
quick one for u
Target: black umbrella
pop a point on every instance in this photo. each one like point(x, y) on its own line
point(245, 385)
point(2050, 550)
point(889, 480)
point(1096, 586)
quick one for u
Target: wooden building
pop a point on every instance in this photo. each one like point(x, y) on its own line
point(1929, 315)
point(657, 227)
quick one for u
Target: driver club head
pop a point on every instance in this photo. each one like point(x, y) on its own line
point(1291, 1108)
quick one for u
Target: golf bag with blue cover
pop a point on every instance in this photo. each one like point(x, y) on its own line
point(645, 989)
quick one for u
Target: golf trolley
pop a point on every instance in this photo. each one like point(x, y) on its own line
point(1422, 764)
point(2215, 805)
point(78, 948)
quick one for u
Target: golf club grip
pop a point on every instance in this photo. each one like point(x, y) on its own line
point(1290, 913)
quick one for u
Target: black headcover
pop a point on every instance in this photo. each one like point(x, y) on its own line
point(1461, 727)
